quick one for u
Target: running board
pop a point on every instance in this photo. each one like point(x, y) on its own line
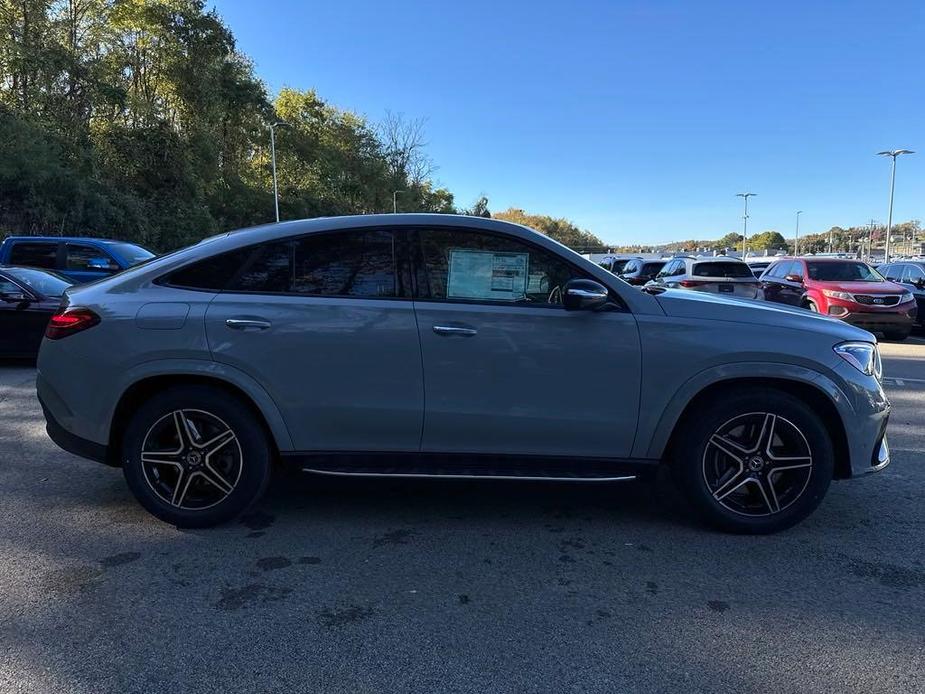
point(470, 466)
point(486, 475)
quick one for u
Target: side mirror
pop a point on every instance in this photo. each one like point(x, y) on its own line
point(14, 297)
point(794, 278)
point(585, 295)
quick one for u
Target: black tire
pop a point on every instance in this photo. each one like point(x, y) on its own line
point(242, 464)
point(897, 336)
point(811, 306)
point(696, 461)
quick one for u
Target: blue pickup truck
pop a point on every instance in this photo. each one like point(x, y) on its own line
point(78, 259)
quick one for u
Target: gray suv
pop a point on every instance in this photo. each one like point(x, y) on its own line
point(441, 346)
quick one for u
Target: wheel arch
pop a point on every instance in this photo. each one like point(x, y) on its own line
point(254, 397)
point(820, 401)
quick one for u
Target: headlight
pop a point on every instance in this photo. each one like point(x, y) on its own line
point(844, 296)
point(864, 356)
point(906, 297)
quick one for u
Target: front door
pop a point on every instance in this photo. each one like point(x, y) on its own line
point(325, 324)
point(85, 263)
point(506, 368)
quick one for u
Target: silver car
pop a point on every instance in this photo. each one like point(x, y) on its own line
point(441, 346)
point(719, 275)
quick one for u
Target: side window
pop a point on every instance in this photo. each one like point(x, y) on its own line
point(80, 257)
point(212, 273)
point(667, 269)
point(891, 272)
point(347, 263)
point(460, 264)
point(796, 269)
point(913, 274)
point(35, 255)
point(7, 287)
point(631, 266)
point(680, 268)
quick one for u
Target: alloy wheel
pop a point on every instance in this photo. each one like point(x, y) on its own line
point(757, 464)
point(191, 459)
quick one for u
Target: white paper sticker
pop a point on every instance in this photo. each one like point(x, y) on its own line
point(489, 275)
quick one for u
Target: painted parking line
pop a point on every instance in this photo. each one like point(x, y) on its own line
point(887, 380)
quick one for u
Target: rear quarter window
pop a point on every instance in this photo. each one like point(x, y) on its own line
point(213, 274)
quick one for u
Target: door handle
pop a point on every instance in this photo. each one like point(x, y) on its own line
point(247, 324)
point(455, 330)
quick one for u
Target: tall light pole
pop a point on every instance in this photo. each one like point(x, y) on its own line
point(892, 153)
point(796, 241)
point(395, 200)
point(745, 196)
point(273, 126)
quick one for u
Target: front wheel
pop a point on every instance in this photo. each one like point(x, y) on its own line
point(754, 462)
point(195, 457)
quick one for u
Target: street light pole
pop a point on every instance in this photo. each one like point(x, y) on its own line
point(745, 196)
point(273, 127)
point(892, 153)
point(395, 200)
point(796, 241)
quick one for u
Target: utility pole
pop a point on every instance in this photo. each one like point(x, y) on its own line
point(892, 153)
point(395, 200)
point(796, 241)
point(745, 196)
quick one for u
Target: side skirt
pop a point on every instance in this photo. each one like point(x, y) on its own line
point(470, 466)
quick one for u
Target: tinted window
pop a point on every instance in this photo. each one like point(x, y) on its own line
point(81, 257)
point(360, 264)
point(132, 254)
point(842, 272)
point(35, 255)
point(776, 271)
point(45, 283)
point(651, 268)
point(469, 265)
point(667, 269)
point(212, 273)
point(727, 269)
point(631, 266)
point(913, 273)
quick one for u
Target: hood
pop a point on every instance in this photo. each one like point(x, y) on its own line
point(688, 304)
point(860, 287)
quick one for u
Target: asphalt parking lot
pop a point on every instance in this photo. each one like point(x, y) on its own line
point(343, 586)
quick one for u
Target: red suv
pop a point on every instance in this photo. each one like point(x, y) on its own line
point(846, 289)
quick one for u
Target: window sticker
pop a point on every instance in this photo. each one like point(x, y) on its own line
point(489, 275)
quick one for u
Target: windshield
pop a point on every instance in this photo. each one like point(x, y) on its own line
point(727, 269)
point(133, 255)
point(843, 272)
point(46, 283)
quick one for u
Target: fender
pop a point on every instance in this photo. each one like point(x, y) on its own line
point(211, 369)
point(658, 437)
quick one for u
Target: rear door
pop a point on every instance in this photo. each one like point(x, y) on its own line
point(85, 262)
point(326, 324)
point(507, 370)
point(792, 288)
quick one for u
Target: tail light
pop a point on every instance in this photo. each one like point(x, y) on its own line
point(692, 283)
point(69, 321)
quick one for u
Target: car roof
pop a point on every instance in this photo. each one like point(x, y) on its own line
point(66, 239)
point(715, 259)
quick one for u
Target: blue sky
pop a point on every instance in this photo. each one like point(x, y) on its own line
point(637, 120)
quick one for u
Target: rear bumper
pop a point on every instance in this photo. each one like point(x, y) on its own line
point(71, 442)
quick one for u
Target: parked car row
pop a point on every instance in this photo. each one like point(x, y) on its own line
point(35, 271)
point(842, 288)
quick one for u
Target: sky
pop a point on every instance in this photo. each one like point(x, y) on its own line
point(639, 121)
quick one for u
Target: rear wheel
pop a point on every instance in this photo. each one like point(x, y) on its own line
point(754, 462)
point(195, 457)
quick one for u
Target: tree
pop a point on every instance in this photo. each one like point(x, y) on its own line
point(562, 230)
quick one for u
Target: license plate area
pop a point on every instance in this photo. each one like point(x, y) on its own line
point(728, 288)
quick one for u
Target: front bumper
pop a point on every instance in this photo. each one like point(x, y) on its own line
point(880, 322)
